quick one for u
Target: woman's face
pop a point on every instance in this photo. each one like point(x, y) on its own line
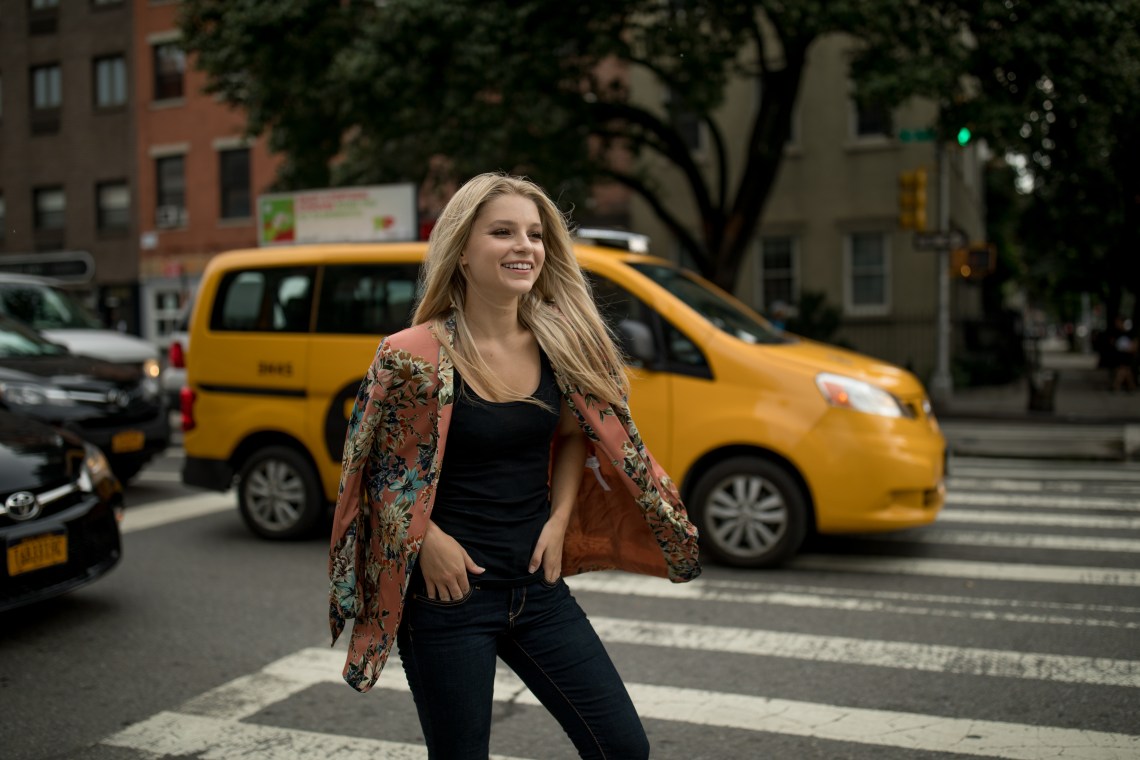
point(504, 253)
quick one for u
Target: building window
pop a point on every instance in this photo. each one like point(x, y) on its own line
point(872, 120)
point(46, 88)
point(106, 3)
point(171, 210)
point(233, 174)
point(49, 206)
point(3, 218)
point(867, 288)
point(1, 98)
point(112, 205)
point(110, 81)
point(169, 66)
point(777, 272)
point(685, 121)
point(43, 16)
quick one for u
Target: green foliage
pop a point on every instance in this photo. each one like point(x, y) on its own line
point(1057, 84)
point(815, 318)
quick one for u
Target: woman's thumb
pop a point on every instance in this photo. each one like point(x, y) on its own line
point(470, 563)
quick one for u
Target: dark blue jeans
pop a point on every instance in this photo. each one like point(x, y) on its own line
point(449, 650)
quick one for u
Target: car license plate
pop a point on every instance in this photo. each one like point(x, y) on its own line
point(37, 552)
point(127, 440)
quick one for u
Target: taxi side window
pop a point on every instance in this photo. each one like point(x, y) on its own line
point(615, 304)
point(366, 299)
point(274, 299)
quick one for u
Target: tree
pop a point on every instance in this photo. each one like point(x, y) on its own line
point(1056, 84)
point(355, 91)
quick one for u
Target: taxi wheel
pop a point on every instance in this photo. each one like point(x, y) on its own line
point(750, 512)
point(279, 494)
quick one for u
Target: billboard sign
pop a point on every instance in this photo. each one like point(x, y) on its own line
point(338, 215)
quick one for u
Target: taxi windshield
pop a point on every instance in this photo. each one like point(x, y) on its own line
point(722, 312)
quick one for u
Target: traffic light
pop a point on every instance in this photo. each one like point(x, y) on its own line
point(912, 200)
point(964, 135)
point(974, 261)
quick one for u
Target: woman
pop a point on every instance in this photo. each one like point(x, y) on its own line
point(463, 502)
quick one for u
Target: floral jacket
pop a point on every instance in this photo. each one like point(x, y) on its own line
point(391, 465)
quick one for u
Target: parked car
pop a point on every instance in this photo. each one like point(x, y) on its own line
point(769, 435)
point(59, 512)
point(173, 374)
point(117, 407)
point(48, 307)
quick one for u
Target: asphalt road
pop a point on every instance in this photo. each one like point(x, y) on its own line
point(1010, 629)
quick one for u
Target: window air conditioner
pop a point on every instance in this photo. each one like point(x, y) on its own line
point(168, 217)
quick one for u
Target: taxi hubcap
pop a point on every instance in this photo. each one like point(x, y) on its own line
point(747, 515)
point(276, 494)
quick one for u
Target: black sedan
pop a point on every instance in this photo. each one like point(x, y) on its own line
point(59, 512)
point(115, 406)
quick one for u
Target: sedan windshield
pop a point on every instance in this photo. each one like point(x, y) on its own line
point(18, 341)
point(724, 314)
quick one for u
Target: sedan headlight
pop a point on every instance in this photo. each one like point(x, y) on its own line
point(96, 469)
point(26, 394)
point(849, 393)
point(151, 368)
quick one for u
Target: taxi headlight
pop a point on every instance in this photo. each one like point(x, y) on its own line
point(849, 393)
point(95, 469)
point(27, 394)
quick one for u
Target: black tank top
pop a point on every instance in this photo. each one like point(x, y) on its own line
point(493, 495)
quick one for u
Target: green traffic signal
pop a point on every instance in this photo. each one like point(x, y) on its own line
point(964, 136)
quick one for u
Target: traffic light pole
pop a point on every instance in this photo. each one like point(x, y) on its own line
point(941, 382)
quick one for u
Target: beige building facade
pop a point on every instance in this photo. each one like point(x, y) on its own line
point(831, 224)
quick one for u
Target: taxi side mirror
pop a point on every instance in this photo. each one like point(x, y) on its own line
point(637, 342)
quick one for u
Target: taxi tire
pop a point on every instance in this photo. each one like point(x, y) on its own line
point(716, 490)
point(280, 470)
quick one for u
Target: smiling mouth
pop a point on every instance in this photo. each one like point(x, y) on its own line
point(519, 266)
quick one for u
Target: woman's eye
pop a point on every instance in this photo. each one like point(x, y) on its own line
point(536, 235)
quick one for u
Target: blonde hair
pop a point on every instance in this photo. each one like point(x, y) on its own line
point(559, 310)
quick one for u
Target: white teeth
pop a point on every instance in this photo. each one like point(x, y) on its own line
point(520, 266)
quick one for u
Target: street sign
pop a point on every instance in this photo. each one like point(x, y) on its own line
point(70, 266)
point(916, 135)
point(938, 241)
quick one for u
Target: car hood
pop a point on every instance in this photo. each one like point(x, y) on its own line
point(816, 357)
point(67, 371)
point(106, 344)
point(34, 456)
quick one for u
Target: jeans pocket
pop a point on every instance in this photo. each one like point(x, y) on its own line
point(548, 584)
point(423, 597)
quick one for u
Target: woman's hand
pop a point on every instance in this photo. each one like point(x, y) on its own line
point(445, 565)
point(548, 549)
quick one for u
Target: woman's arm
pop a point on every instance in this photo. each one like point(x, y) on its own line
point(565, 477)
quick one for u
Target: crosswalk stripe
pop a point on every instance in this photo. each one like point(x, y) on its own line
point(904, 655)
point(169, 734)
point(953, 568)
point(174, 510)
point(1039, 486)
point(897, 603)
point(1042, 501)
point(1038, 470)
point(218, 737)
point(1015, 540)
point(992, 517)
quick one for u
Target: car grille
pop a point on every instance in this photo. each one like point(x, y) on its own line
point(52, 501)
point(92, 544)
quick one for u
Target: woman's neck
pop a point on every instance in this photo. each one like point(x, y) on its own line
point(492, 322)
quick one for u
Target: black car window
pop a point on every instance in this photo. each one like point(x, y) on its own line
point(273, 299)
point(616, 304)
point(366, 299)
point(16, 340)
point(720, 311)
point(45, 308)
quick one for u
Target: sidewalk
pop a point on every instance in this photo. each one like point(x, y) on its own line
point(1088, 420)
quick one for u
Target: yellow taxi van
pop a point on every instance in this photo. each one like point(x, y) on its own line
point(769, 435)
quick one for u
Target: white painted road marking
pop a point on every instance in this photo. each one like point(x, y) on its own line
point(1014, 540)
point(1041, 501)
point(174, 510)
point(991, 517)
point(220, 736)
point(905, 655)
point(855, 600)
point(953, 568)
